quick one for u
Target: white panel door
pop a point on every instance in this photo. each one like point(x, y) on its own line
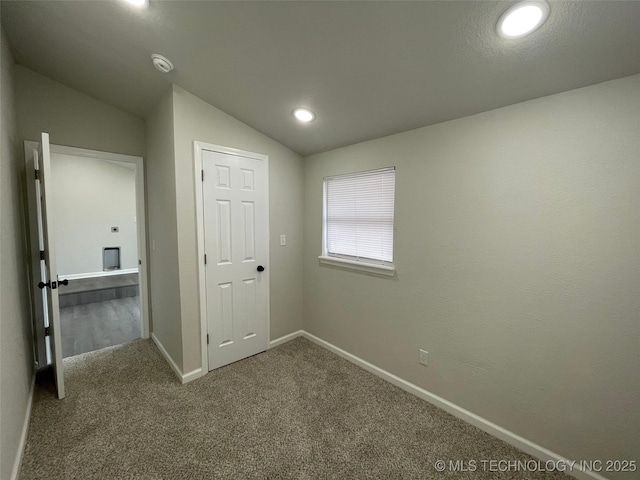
point(36, 240)
point(43, 235)
point(235, 194)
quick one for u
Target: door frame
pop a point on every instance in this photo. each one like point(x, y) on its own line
point(33, 234)
point(198, 149)
point(141, 219)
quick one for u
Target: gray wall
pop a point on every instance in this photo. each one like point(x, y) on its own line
point(89, 197)
point(72, 118)
point(16, 350)
point(518, 267)
point(195, 119)
point(160, 174)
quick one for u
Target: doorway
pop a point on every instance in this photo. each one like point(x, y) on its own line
point(92, 218)
point(94, 207)
point(232, 203)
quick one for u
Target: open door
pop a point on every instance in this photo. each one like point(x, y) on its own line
point(43, 257)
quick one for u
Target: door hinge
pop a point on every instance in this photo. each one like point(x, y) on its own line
point(47, 331)
point(41, 254)
point(205, 258)
point(37, 174)
point(207, 339)
point(202, 175)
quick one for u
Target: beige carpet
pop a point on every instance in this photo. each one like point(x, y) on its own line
point(296, 411)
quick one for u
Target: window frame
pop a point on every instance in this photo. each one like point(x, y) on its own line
point(378, 267)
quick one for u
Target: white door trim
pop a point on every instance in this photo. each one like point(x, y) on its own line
point(198, 149)
point(141, 222)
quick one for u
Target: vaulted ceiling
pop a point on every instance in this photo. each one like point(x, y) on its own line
point(367, 69)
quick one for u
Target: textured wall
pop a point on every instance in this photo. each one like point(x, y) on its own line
point(72, 118)
point(518, 268)
point(197, 120)
point(162, 233)
point(16, 348)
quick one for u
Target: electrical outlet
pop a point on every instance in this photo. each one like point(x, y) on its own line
point(424, 357)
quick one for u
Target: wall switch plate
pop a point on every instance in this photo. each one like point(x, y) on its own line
point(283, 240)
point(424, 357)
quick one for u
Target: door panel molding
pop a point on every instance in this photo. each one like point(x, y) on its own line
point(42, 258)
point(199, 149)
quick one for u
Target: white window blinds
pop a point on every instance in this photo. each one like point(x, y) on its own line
point(359, 215)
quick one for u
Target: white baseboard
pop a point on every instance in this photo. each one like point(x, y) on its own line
point(183, 377)
point(192, 375)
point(15, 471)
point(285, 338)
point(78, 276)
point(491, 428)
point(167, 357)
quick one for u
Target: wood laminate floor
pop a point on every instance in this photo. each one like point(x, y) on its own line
point(98, 325)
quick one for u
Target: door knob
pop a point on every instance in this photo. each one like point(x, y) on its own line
point(41, 285)
point(260, 268)
point(64, 282)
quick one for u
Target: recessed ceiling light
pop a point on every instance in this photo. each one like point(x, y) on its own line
point(161, 63)
point(138, 3)
point(523, 18)
point(304, 114)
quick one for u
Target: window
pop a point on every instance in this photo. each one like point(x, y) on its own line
point(358, 220)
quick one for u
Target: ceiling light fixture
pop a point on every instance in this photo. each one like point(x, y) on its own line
point(304, 115)
point(161, 63)
point(138, 3)
point(523, 18)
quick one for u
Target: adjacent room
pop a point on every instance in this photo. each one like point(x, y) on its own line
point(94, 203)
point(316, 239)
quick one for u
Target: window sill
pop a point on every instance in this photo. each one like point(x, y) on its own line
point(388, 270)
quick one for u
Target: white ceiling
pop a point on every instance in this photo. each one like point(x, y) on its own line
point(367, 69)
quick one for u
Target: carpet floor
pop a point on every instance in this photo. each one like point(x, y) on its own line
point(296, 411)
